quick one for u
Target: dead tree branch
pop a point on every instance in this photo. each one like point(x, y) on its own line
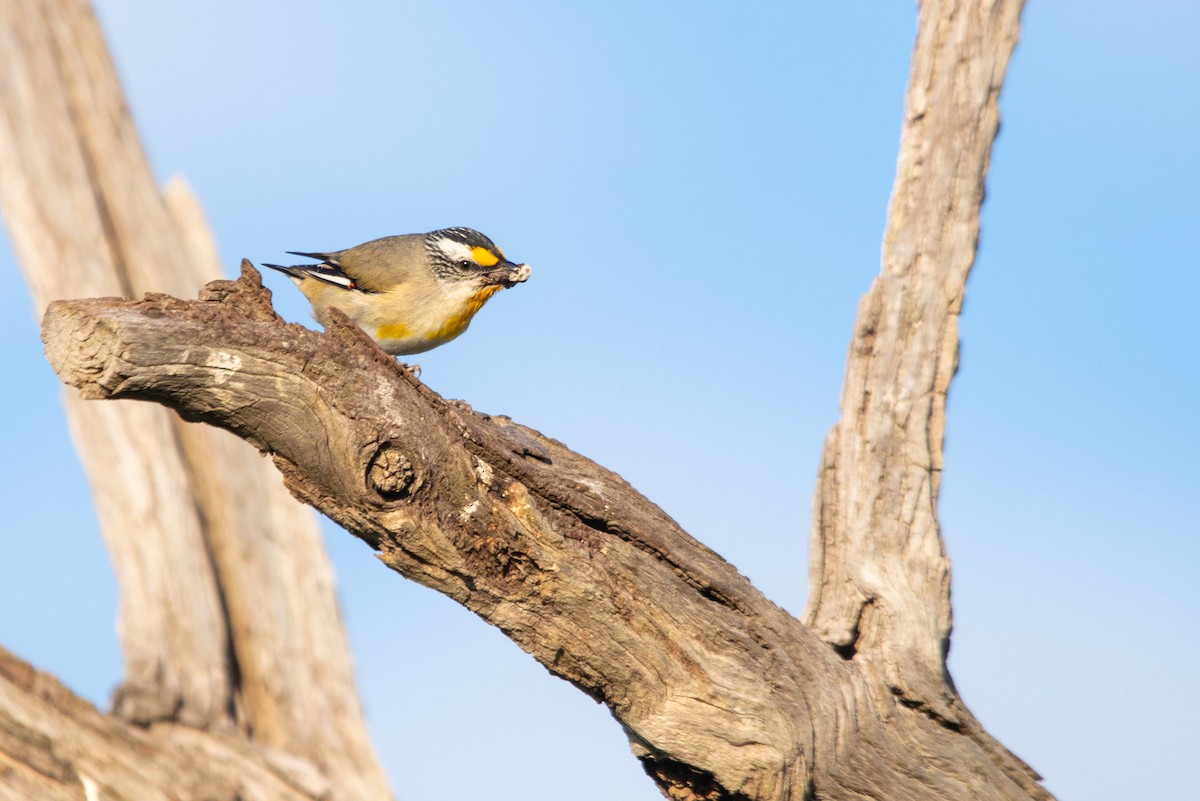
point(722, 693)
point(55, 746)
point(880, 578)
point(227, 617)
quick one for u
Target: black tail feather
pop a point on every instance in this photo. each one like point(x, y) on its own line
point(325, 257)
point(291, 272)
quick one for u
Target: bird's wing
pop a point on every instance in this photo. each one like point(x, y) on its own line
point(328, 271)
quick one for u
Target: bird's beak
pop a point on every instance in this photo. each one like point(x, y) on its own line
point(507, 274)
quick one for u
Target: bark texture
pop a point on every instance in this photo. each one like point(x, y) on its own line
point(55, 746)
point(228, 619)
point(723, 694)
point(880, 578)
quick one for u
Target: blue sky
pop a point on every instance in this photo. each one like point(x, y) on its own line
point(701, 190)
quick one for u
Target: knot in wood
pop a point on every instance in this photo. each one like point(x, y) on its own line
point(391, 473)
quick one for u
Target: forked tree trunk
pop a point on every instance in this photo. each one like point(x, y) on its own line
point(722, 694)
point(227, 618)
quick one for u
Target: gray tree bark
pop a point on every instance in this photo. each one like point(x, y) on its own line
point(723, 695)
point(879, 477)
point(227, 617)
point(57, 747)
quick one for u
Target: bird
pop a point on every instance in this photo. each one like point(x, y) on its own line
point(409, 293)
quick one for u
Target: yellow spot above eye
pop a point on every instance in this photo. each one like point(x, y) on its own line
point(484, 257)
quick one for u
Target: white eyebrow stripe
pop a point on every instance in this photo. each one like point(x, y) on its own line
point(455, 250)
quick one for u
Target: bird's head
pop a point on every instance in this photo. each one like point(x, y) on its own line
point(463, 255)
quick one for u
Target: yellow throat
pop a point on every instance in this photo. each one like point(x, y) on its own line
point(454, 325)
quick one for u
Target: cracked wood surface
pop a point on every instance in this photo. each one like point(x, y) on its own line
point(227, 615)
point(55, 746)
point(722, 694)
point(879, 574)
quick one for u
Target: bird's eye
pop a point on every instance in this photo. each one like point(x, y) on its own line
point(465, 264)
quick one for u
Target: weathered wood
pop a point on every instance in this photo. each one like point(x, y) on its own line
point(296, 689)
point(75, 189)
point(879, 575)
point(722, 694)
point(55, 746)
point(228, 617)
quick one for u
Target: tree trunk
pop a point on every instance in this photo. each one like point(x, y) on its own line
point(878, 483)
point(723, 695)
point(228, 618)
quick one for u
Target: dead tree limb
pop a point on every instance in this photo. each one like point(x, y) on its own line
point(880, 578)
point(227, 614)
point(55, 746)
point(722, 694)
